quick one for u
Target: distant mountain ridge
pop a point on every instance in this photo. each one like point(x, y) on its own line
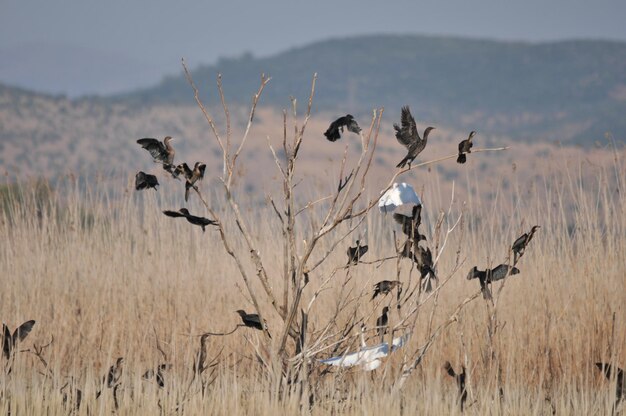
point(569, 90)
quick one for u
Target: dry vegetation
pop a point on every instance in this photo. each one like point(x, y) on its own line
point(106, 275)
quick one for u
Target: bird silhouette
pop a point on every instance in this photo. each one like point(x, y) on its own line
point(184, 212)
point(485, 277)
point(426, 266)
point(465, 147)
point(519, 246)
point(460, 383)
point(382, 322)
point(355, 253)
point(333, 133)
point(158, 374)
point(145, 181)
point(9, 341)
point(410, 224)
point(408, 136)
point(252, 320)
point(384, 287)
point(161, 152)
point(609, 372)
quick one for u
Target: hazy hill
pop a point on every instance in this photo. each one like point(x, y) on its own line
point(573, 90)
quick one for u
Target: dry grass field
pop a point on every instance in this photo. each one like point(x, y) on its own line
point(105, 275)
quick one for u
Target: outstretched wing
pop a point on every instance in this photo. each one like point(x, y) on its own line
point(22, 331)
point(174, 214)
point(353, 126)
point(156, 148)
point(407, 134)
point(6, 341)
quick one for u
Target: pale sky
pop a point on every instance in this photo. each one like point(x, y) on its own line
point(77, 47)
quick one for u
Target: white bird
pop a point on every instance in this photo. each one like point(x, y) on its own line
point(399, 194)
point(367, 357)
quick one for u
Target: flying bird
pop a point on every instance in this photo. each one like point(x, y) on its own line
point(522, 241)
point(408, 136)
point(184, 212)
point(465, 147)
point(609, 372)
point(399, 194)
point(384, 287)
point(382, 322)
point(485, 277)
point(252, 320)
point(355, 253)
point(333, 134)
point(460, 383)
point(161, 152)
point(145, 181)
point(10, 341)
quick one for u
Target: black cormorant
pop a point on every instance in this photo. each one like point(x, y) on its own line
point(333, 134)
point(408, 136)
point(460, 383)
point(145, 181)
point(491, 275)
point(355, 253)
point(382, 322)
point(184, 212)
point(252, 320)
point(384, 287)
point(162, 152)
point(522, 241)
point(10, 341)
point(465, 147)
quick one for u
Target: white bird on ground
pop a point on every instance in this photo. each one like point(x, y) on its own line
point(399, 194)
point(367, 357)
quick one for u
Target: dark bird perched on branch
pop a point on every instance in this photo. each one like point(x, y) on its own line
point(424, 260)
point(609, 372)
point(184, 212)
point(355, 253)
point(252, 320)
point(410, 224)
point(488, 276)
point(384, 287)
point(191, 175)
point(113, 376)
point(159, 374)
point(522, 241)
point(407, 250)
point(161, 152)
point(145, 181)
point(465, 147)
point(460, 383)
point(333, 134)
point(382, 322)
point(408, 136)
point(10, 341)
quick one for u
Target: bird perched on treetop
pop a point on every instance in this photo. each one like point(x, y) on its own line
point(465, 147)
point(252, 320)
point(161, 152)
point(355, 253)
point(408, 136)
point(145, 181)
point(333, 134)
point(522, 241)
point(184, 212)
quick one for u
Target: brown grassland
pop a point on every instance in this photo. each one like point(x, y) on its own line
point(105, 274)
